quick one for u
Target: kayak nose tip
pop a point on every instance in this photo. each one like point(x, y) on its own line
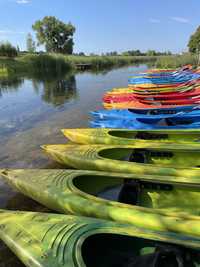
point(69, 132)
point(44, 147)
point(63, 131)
point(4, 172)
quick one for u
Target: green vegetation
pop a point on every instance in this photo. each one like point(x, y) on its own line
point(176, 61)
point(55, 35)
point(57, 63)
point(194, 42)
point(3, 72)
point(35, 63)
point(7, 50)
point(100, 62)
point(46, 63)
point(147, 53)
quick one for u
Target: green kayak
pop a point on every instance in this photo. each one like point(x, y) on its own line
point(131, 137)
point(159, 207)
point(127, 159)
point(53, 240)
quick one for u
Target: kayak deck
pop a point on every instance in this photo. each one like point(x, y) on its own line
point(123, 136)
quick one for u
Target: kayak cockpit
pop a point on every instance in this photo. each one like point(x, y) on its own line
point(158, 156)
point(115, 250)
point(139, 135)
point(156, 135)
point(143, 193)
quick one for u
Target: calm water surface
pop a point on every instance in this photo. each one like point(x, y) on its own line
point(32, 112)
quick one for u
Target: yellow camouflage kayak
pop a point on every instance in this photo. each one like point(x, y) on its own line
point(132, 137)
point(53, 240)
point(158, 206)
point(127, 159)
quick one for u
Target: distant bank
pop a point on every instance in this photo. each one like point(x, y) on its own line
point(56, 63)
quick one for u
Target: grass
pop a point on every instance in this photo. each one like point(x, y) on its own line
point(33, 63)
point(100, 62)
point(176, 61)
point(57, 64)
point(3, 72)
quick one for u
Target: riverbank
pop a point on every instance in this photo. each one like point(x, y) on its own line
point(56, 63)
point(176, 61)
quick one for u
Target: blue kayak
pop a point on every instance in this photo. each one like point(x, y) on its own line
point(164, 80)
point(136, 125)
point(148, 111)
point(192, 115)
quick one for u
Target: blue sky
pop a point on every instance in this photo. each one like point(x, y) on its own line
point(107, 25)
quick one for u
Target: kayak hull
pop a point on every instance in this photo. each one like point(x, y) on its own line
point(53, 240)
point(123, 97)
point(134, 124)
point(130, 137)
point(164, 158)
point(78, 192)
point(148, 116)
point(141, 105)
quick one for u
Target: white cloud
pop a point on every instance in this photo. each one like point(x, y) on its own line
point(22, 2)
point(152, 20)
point(180, 19)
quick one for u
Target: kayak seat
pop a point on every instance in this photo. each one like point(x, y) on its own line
point(164, 256)
point(171, 122)
point(148, 156)
point(140, 156)
point(130, 192)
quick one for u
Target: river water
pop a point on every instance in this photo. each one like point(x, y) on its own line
point(32, 112)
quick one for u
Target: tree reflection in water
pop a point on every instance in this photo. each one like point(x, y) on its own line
point(10, 84)
point(57, 89)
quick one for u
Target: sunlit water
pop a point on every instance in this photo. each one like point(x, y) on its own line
point(32, 112)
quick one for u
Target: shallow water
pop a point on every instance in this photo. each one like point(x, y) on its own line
point(32, 112)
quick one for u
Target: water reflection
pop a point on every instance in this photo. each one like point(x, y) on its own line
point(11, 84)
point(56, 90)
point(59, 91)
point(29, 100)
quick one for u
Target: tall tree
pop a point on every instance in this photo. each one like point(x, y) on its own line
point(55, 35)
point(30, 44)
point(194, 42)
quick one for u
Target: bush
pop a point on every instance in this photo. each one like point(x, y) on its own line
point(47, 63)
point(7, 50)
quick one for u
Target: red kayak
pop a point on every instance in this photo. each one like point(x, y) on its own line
point(185, 100)
point(167, 96)
point(172, 95)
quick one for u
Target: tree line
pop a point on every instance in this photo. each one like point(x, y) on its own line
point(57, 37)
